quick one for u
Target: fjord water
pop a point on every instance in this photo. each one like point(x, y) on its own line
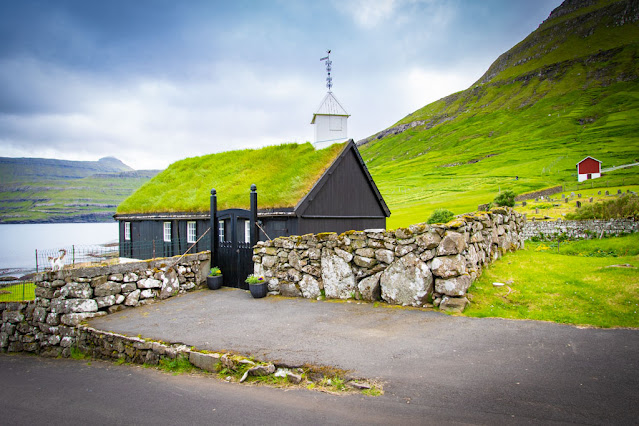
point(19, 242)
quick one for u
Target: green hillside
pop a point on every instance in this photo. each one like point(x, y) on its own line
point(283, 175)
point(567, 91)
point(37, 190)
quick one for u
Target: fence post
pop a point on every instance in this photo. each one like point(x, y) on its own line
point(253, 223)
point(214, 230)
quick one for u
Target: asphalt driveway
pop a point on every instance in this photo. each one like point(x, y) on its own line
point(512, 369)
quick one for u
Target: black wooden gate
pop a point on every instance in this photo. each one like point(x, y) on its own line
point(235, 255)
point(234, 235)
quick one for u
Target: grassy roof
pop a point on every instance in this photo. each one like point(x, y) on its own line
point(283, 175)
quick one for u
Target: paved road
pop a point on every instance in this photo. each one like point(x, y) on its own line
point(526, 369)
point(39, 391)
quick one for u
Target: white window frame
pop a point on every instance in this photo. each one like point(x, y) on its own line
point(220, 229)
point(247, 231)
point(167, 232)
point(191, 232)
point(127, 231)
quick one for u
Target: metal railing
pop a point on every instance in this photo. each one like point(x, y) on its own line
point(17, 291)
point(76, 256)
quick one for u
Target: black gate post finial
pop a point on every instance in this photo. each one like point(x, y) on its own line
point(253, 215)
point(214, 229)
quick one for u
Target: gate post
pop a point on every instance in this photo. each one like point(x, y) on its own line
point(214, 229)
point(253, 215)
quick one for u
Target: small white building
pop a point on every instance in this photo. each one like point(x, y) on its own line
point(330, 121)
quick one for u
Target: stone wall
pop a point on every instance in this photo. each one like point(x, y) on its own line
point(578, 229)
point(543, 193)
point(411, 266)
point(48, 325)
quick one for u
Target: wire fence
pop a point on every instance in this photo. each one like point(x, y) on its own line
point(76, 256)
point(17, 291)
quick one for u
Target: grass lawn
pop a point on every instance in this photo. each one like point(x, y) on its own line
point(17, 292)
point(557, 207)
point(579, 285)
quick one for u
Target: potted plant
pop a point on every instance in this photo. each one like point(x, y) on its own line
point(257, 285)
point(215, 279)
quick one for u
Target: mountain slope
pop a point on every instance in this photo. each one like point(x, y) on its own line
point(39, 190)
point(569, 90)
point(39, 169)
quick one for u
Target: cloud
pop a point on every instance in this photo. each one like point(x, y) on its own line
point(367, 13)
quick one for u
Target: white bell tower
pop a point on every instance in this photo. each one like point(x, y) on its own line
point(330, 118)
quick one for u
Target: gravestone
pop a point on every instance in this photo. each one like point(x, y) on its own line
point(590, 199)
point(563, 195)
point(523, 204)
point(598, 192)
point(619, 191)
point(536, 210)
point(607, 193)
point(566, 200)
point(572, 194)
point(578, 195)
point(578, 204)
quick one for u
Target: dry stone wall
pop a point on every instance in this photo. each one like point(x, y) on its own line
point(49, 324)
point(579, 229)
point(408, 266)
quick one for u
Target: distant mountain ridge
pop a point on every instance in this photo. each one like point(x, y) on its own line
point(568, 90)
point(35, 169)
point(43, 190)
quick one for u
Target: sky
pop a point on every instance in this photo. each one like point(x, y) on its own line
point(155, 81)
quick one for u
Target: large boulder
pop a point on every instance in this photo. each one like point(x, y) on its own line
point(107, 289)
point(448, 266)
point(453, 243)
point(170, 284)
point(453, 304)
point(337, 275)
point(77, 291)
point(369, 288)
point(455, 286)
point(310, 287)
point(407, 281)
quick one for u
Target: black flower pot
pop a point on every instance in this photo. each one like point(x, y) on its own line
point(258, 290)
point(214, 283)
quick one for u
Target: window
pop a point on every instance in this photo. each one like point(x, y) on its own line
point(127, 231)
point(220, 227)
point(191, 232)
point(247, 231)
point(167, 232)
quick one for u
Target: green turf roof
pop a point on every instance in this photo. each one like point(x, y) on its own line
point(283, 175)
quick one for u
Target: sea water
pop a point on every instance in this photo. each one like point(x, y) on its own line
point(18, 243)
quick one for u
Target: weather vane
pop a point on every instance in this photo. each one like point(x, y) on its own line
point(329, 79)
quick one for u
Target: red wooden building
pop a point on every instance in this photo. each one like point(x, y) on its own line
point(588, 168)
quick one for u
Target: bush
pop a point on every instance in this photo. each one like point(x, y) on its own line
point(506, 198)
point(441, 216)
point(623, 207)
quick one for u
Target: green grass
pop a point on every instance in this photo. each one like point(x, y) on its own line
point(17, 292)
point(283, 175)
point(510, 133)
point(35, 201)
point(178, 365)
point(575, 286)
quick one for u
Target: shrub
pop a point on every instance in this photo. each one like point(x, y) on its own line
point(626, 206)
point(506, 198)
point(441, 216)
